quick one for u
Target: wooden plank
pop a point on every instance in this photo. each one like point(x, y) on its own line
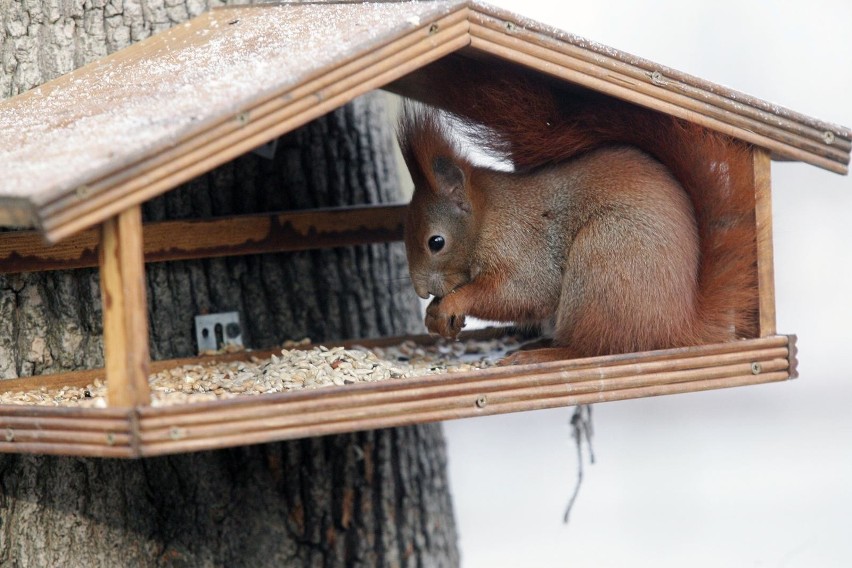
point(664, 89)
point(55, 421)
point(282, 232)
point(104, 437)
point(559, 65)
point(71, 412)
point(763, 220)
point(291, 412)
point(248, 129)
point(255, 419)
point(122, 273)
point(116, 342)
point(458, 403)
point(86, 377)
point(134, 390)
point(27, 251)
point(363, 397)
point(700, 89)
point(67, 449)
point(52, 381)
point(97, 432)
point(178, 442)
point(617, 364)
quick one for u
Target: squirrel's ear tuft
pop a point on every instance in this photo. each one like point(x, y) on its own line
point(450, 181)
point(432, 158)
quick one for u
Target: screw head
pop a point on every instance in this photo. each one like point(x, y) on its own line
point(481, 401)
point(232, 330)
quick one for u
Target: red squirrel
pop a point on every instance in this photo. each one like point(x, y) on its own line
point(626, 229)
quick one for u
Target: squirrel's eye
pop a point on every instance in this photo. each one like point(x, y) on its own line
point(436, 243)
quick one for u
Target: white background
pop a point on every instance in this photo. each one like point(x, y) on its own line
point(754, 476)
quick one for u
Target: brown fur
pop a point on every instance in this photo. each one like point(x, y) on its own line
point(630, 229)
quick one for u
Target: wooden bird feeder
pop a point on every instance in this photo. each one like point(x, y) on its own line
point(81, 153)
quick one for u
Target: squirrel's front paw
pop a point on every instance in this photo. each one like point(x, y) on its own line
point(441, 320)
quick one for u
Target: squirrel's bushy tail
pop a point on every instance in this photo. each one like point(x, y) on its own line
point(534, 124)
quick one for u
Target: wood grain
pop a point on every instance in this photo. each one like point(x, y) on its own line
point(413, 396)
point(763, 219)
point(630, 69)
point(150, 430)
point(644, 93)
point(27, 251)
point(122, 273)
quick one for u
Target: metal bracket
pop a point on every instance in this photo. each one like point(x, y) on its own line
point(217, 331)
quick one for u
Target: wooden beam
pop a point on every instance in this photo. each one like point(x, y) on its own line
point(208, 425)
point(547, 59)
point(763, 219)
point(122, 272)
point(287, 231)
point(148, 430)
point(27, 251)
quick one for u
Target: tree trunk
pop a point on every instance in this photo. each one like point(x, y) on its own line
point(370, 498)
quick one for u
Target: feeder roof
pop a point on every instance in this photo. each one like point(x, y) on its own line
point(137, 123)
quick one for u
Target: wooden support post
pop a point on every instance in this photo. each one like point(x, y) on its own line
point(763, 219)
point(122, 271)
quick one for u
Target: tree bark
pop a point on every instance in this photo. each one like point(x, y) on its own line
point(365, 499)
